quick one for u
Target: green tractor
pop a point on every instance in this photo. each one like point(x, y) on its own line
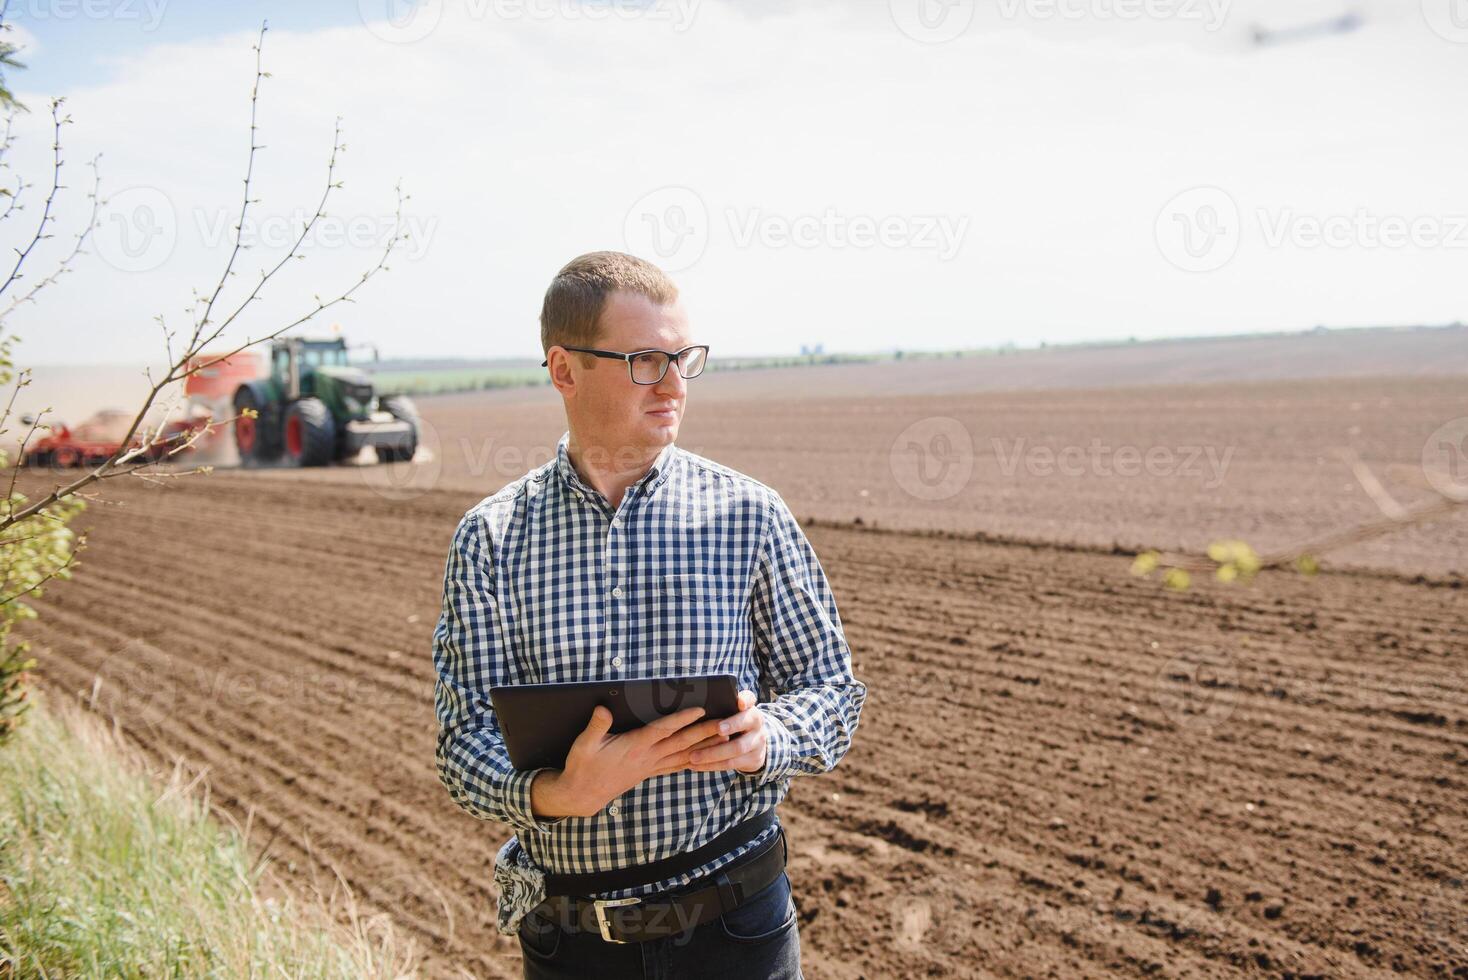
point(314, 408)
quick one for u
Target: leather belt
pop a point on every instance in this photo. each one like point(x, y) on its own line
point(633, 920)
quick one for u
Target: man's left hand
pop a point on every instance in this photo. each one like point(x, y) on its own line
point(747, 745)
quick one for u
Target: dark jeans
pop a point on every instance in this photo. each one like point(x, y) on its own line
point(760, 939)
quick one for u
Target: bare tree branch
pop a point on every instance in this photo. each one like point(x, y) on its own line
point(57, 122)
point(64, 266)
point(130, 449)
point(249, 176)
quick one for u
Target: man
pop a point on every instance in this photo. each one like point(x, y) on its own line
point(657, 851)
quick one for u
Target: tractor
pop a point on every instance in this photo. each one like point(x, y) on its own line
point(315, 408)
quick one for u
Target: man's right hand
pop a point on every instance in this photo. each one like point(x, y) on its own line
point(601, 767)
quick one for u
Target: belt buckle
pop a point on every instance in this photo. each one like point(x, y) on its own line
point(601, 904)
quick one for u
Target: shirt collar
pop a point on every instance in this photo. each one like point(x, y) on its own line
point(656, 474)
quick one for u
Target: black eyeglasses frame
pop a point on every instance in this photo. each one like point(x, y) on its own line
point(673, 357)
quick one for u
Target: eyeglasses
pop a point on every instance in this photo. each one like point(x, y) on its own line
point(647, 367)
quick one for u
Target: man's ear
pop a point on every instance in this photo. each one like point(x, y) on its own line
point(561, 375)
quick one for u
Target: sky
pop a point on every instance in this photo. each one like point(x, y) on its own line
point(860, 175)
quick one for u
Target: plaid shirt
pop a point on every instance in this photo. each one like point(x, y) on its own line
point(700, 570)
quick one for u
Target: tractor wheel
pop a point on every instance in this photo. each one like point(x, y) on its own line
point(400, 407)
point(310, 433)
point(257, 440)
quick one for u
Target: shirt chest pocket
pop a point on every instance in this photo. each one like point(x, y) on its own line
point(698, 623)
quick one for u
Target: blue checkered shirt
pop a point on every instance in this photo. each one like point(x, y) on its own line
point(700, 570)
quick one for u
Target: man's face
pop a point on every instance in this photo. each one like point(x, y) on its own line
point(610, 408)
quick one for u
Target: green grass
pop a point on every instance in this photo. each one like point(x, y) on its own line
point(438, 382)
point(107, 870)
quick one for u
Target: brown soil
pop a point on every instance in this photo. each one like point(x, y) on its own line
point(1257, 461)
point(1061, 770)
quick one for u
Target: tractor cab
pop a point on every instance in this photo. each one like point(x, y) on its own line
point(295, 363)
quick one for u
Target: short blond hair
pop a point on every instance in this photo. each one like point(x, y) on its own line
point(571, 313)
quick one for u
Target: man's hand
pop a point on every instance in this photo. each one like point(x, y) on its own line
point(601, 767)
point(744, 753)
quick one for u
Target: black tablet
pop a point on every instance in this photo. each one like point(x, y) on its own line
point(541, 721)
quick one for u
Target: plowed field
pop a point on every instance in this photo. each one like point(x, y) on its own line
point(1060, 771)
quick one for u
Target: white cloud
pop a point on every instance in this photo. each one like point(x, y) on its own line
point(525, 138)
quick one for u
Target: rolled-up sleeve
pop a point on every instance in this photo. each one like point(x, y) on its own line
point(803, 653)
point(469, 656)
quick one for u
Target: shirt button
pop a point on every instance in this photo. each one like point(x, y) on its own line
point(613, 809)
point(617, 593)
point(616, 522)
point(616, 661)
